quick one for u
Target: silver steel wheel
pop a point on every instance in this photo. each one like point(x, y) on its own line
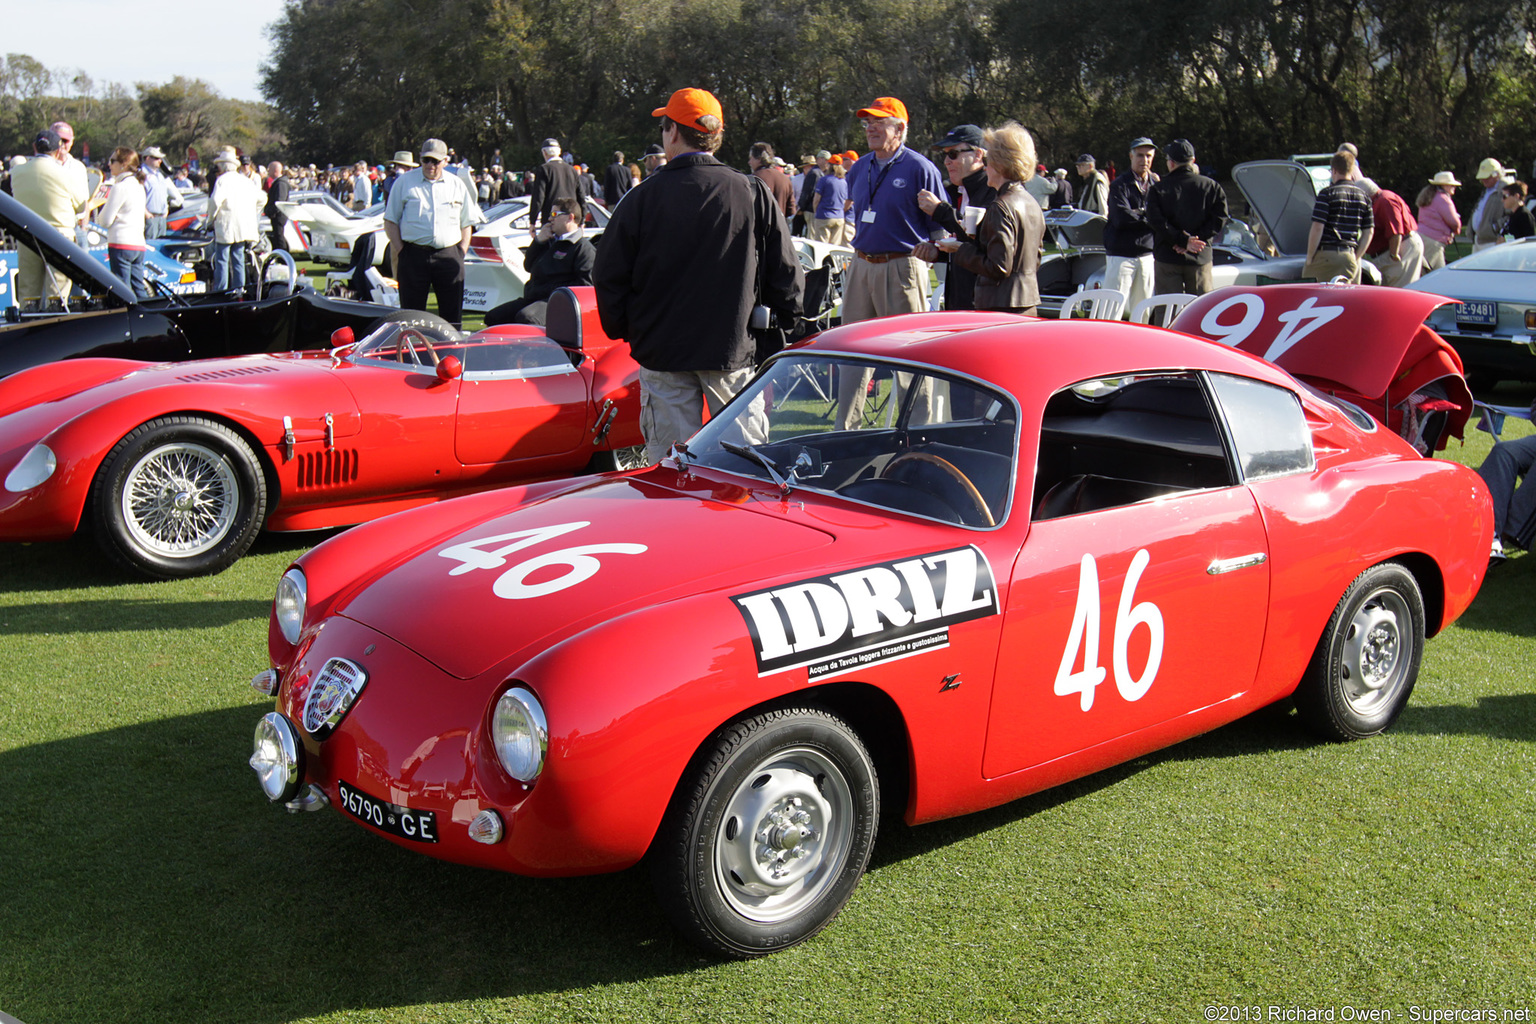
point(785, 835)
point(1375, 663)
point(180, 500)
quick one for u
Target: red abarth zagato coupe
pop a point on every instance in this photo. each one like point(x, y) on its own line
point(1043, 548)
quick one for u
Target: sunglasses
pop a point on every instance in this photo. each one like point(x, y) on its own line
point(954, 154)
point(430, 160)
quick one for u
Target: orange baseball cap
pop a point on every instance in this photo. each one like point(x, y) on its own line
point(885, 106)
point(687, 106)
point(850, 157)
point(835, 158)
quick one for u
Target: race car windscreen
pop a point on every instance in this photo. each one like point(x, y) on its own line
point(903, 438)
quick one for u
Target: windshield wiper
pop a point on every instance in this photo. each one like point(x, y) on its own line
point(762, 460)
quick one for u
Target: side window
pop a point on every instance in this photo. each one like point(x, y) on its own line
point(1117, 441)
point(1268, 427)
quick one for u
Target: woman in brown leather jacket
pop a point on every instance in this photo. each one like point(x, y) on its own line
point(1005, 254)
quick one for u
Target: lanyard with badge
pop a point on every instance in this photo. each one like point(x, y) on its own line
point(874, 186)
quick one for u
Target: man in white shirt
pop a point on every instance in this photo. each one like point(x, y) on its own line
point(234, 210)
point(428, 220)
point(362, 187)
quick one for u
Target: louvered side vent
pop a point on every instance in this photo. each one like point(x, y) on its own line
point(238, 371)
point(330, 468)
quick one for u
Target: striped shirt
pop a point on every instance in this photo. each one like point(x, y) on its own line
point(1345, 213)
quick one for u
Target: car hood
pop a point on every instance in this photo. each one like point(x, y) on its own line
point(32, 232)
point(512, 581)
point(322, 216)
point(1281, 195)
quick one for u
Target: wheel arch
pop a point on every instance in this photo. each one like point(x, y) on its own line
point(1426, 573)
point(245, 433)
point(868, 710)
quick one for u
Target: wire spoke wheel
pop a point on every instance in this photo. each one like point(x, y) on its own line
point(180, 499)
point(178, 496)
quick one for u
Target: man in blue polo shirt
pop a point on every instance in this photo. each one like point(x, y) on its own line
point(884, 277)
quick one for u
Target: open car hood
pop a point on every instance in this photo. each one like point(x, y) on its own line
point(32, 232)
point(1281, 195)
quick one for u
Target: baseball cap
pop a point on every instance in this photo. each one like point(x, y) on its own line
point(1141, 142)
point(689, 106)
point(551, 144)
point(850, 157)
point(46, 142)
point(885, 106)
point(435, 149)
point(963, 135)
point(1180, 151)
point(154, 152)
point(1086, 158)
point(654, 150)
point(1490, 168)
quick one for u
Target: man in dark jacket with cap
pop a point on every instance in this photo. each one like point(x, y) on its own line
point(1186, 210)
point(1127, 235)
point(553, 179)
point(685, 257)
point(966, 196)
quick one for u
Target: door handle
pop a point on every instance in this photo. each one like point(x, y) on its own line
point(1222, 565)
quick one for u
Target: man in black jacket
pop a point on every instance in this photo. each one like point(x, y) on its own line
point(966, 190)
point(553, 179)
point(1127, 235)
point(558, 257)
point(1186, 210)
point(684, 259)
point(277, 192)
point(616, 180)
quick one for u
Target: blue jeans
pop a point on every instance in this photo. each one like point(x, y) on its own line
point(229, 266)
point(128, 264)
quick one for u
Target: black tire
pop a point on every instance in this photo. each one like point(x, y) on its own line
point(411, 318)
point(1367, 661)
point(768, 833)
point(179, 496)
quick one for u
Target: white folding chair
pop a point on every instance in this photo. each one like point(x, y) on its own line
point(1096, 304)
point(1161, 310)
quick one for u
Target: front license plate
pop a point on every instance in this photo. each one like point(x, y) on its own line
point(419, 826)
point(1477, 314)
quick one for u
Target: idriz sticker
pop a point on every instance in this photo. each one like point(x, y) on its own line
point(849, 620)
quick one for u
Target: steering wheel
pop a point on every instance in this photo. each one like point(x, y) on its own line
point(409, 336)
point(293, 272)
point(949, 478)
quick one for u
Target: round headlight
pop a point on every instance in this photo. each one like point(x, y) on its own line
point(276, 757)
point(35, 467)
point(520, 733)
point(288, 605)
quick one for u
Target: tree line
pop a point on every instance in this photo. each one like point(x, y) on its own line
point(1418, 87)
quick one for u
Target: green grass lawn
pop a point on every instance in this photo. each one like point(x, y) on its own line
point(146, 879)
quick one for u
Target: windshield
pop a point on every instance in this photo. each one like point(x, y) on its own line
point(907, 439)
point(414, 344)
point(1516, 256)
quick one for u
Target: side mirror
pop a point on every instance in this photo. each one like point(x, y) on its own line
point(341, 337)
point(449, 368)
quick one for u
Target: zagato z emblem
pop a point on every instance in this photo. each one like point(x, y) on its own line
point(950, 683)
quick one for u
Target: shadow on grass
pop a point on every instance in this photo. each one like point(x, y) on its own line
point(79, 562)
point(1503, 603)
point(147, 878)
point(1500, 717)
point(1269, 730)
point(125, 613)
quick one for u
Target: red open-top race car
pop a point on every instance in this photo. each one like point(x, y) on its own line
point(177, 466)
point(1045, 548)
